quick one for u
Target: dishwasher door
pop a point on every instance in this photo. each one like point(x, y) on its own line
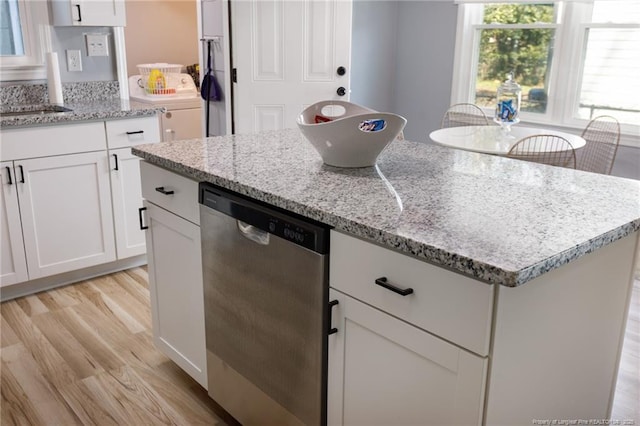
point(265, 311)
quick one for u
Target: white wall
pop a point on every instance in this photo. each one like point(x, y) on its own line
point(374, 53)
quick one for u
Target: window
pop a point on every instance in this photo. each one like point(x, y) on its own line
point(574, 59)
point(11, 43)
point(24, 32)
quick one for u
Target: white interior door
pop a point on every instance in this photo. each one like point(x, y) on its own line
point(286, 54)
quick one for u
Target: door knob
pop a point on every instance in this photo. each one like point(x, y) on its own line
point(341, 91)
point(341, 70)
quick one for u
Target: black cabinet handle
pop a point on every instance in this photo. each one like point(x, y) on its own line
point(341, 91)
point(161, 190)
point(21, 174)
point(382, 281)
point(79, 13)
point(140, 210)
point(115, 157)
point(137, 132)
point(9, 175)
point(331, 305)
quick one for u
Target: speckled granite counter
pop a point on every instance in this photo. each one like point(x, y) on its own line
point(103, 109)
point(496, 219)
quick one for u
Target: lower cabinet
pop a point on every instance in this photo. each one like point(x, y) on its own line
point(65, 213)
point(175, 282)
point(384, 371)
point(126, 193)
point(13, 264)
point(70, 200)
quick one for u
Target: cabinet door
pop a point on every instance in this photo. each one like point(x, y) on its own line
point(175, 284)
point(383, 371)
point(108, 13)
point(13, 265)
point(65, 205)
point(126, 193)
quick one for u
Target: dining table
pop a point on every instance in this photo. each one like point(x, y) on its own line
point(494, 139)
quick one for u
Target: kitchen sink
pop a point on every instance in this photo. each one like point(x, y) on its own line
point(13, 111)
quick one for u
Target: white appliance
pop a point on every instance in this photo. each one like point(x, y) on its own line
point(183, 118)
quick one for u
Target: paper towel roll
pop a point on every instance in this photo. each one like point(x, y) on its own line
point(53, 79)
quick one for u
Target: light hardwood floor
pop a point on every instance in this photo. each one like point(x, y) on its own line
point(83, 354)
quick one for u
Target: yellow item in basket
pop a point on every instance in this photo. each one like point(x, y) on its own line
point(157, 82)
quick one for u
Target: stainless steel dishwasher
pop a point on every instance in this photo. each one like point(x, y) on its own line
point(266, 293)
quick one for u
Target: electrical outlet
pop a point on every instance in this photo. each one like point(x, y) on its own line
point(74, 61)
point(97, 45)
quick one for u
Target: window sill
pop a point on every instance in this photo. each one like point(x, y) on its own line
point(23, 73)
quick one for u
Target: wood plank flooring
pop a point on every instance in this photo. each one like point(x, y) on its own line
point(83, 354)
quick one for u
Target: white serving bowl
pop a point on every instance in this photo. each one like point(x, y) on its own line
point(348, 135)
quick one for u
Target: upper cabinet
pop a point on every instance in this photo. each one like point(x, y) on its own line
point(107, 13)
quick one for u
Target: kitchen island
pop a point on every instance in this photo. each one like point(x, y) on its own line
point(528, 268)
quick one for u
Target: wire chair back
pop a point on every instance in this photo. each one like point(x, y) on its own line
point(546, 149)
point(464, 115)
point(602, 135)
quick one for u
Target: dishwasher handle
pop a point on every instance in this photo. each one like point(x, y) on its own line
point(252, 233)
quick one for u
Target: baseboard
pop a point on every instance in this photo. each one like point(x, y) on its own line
point(47, 283)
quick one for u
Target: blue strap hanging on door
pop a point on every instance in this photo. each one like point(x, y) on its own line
point(210, 89)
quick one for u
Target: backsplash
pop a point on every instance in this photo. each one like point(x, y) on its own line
point(71, 92)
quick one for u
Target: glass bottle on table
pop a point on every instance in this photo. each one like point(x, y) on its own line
point(508, 98)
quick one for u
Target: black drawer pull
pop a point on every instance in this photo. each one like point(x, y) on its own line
point(21, 174)
point(10, 181)
point(115, 157)
point(140, 210)
point(331, 305)
point(161, 190)
point(79, 13)
point(137, 132)
point(382, 281)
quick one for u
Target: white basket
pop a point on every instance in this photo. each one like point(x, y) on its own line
point(159, 79)
point(348, 135)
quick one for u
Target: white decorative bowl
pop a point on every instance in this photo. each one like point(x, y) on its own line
point(348, 135)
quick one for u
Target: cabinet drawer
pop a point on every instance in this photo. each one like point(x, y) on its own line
point(444, 303)
point(184, 199)
point(33, 142)
point(133, 131)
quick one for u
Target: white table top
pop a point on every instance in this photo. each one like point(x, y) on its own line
point(491, 139)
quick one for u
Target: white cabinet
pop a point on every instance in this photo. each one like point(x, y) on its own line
point(383, 371)
point(181, 124)
point(175, 269)
point(99, 13)
point(126, 191)
point(65, 210)
point(404, 358)
point(66, 191)
point(13, 264)
point(127, 199)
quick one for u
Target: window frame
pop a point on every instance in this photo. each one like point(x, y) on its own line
point(36, 36)
point(574, 19)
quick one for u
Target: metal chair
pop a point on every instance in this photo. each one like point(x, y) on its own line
point(546, 149)
point(602, 135)
point(464, 115)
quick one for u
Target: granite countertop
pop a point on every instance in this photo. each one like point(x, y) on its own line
point(102, 109)
point(495, 219)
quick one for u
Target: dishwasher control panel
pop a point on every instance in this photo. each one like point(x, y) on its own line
point(286, 225)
